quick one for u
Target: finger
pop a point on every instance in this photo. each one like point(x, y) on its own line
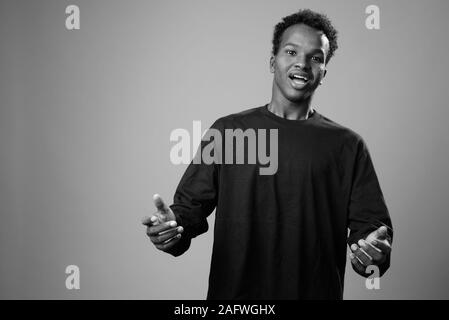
point(169, 243)
point(356, 262)
point(159, 203)
point(177, 236)
point(374, 253)
point(364, 258)
point(180, 229)
point(166, 235)
point(372, 246)
point(382, 233)
point(149, 221)
point(155, 230)
point(354, 248)
point(383, 246)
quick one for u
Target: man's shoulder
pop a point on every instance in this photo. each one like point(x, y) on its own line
point(337, 129)
point(233, 118)
point(248, 112)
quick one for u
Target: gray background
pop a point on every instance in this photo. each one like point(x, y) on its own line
point(86, 117)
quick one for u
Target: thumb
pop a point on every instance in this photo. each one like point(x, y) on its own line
point(381, 233)
point(160, 204)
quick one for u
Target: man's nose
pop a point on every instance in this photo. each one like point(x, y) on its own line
point(301, 62)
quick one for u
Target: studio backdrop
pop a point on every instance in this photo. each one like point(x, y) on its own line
point(90, 92)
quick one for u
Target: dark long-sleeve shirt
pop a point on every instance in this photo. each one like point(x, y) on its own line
point(283, 235)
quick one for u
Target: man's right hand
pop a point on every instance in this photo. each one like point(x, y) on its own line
point(162, 228)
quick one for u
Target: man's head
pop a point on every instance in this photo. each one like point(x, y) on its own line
point(303, 44)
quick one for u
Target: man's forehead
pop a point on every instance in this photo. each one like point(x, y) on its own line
point(303, 35)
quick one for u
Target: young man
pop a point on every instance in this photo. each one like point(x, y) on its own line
point(284, 235)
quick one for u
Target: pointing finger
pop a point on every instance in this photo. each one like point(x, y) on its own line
point(159, 203)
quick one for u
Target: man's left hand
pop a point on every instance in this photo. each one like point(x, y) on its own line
point(371, 251)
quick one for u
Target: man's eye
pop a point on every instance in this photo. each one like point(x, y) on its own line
point(291, 52)
point(318, 59)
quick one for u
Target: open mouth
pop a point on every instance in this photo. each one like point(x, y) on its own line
point(298, 80)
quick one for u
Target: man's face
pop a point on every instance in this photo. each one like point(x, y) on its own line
point(299, 66)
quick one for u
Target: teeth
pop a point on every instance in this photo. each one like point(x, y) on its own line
point(299, 77)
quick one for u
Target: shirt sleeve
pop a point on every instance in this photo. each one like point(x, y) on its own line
point(195, 197)
point(367, 210)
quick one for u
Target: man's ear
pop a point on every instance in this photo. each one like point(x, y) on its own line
point(324, 74)
point(272, 60)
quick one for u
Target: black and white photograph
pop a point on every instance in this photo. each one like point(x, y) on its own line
point(210, 150)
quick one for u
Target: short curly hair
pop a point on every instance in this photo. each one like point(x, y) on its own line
point(312, 19)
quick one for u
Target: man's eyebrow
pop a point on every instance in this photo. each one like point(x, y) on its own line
point(295, 45)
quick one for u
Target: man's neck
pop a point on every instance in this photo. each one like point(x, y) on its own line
point(290, 110)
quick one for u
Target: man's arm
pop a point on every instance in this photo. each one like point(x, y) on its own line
point(194, 200)
point(369, 221)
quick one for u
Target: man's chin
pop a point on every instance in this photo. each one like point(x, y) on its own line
point(296, 95)
point(299, 97)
